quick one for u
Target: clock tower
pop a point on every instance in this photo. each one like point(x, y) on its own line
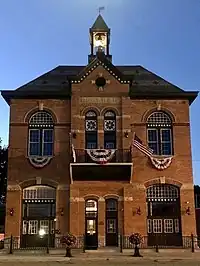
point(99, 39)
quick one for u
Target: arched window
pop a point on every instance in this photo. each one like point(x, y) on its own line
point(159, 133)
point(41, 134)
point(91, 130)
point(163, 192)
point(109, 130)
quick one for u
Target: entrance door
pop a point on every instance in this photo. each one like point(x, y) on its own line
point(91, 220)
point(163, 219)
point(111, 222)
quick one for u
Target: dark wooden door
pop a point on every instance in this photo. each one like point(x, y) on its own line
point(111, 222)
point(164, 232)
point(38, 233)
point(91, 237)
point(91, 224)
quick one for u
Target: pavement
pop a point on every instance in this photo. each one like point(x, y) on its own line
point(101, 258)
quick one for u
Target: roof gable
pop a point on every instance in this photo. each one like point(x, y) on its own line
point(102, 60)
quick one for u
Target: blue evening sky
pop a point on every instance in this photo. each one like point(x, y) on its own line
point(163, 36)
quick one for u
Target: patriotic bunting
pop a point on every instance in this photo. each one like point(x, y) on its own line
point(101, 156)
point(158, 163)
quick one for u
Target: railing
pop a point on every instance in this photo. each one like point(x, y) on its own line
point(188, 242)
point(120, 156)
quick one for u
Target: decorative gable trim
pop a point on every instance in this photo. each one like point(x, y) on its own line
point(109, 69)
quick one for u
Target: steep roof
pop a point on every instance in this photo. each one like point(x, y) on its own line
point(99, 24)
point(57, 83)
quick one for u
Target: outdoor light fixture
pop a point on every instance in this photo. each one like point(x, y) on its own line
point(11, 211)
point(61, 211)
point(41, 232)
point(187, 211)
point(138, 211)
point(126, 134)
point(74, 135)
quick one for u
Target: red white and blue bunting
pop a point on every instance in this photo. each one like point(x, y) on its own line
point(101, 156)
point(161, 163)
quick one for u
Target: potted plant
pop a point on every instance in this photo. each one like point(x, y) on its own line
point(136, 239)
point(69, 241)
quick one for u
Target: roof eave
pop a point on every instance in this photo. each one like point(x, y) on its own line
point(9, 95)
point(188, 95)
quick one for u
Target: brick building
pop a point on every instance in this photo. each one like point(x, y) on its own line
point(76, 161)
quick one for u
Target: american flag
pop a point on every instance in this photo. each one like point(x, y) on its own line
point(137, 142)
point(101, 8)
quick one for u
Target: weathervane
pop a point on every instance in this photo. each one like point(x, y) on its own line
point(101, 8)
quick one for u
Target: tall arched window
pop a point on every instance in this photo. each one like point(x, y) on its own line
point(109, 130)
point(159, 133)
point(41, 134)
point(91, 130)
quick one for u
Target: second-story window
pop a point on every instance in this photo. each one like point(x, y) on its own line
point(159, 133)
point(109, 130)
point(41, 134)
point(91, 130)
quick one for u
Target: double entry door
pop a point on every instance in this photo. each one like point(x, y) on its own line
point(164, 224)
point(38, 233)
point(91, 224)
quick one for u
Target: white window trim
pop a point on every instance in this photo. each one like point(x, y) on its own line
point(165, 225)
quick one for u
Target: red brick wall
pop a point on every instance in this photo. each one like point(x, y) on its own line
point(131, 115)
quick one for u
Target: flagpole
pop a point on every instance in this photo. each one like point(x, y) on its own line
point(132, 144)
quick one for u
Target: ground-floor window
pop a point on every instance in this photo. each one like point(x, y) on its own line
point(163, 215)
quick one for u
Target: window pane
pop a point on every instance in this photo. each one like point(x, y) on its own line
point(111, 226)
point(39, 210)
point(168, 226)
point(166, 149)
point(48, 149)
point(109, 145)
point(157, 226)
point(154, 147)
point(91, 145)
point(152, 135)
point(165, 135)
point(34, 135)
point(48, 135)
point(34, 149)
point(32, 227)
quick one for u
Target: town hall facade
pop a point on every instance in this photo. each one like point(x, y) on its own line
point(99, 150)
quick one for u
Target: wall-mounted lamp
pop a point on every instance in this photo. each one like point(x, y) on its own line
point(187, 211)
point(138, 211)
point(74, 135)
point(126, 134)
point(11, 211)
point(61, 211)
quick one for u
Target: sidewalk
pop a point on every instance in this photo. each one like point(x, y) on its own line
point(95, 256)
